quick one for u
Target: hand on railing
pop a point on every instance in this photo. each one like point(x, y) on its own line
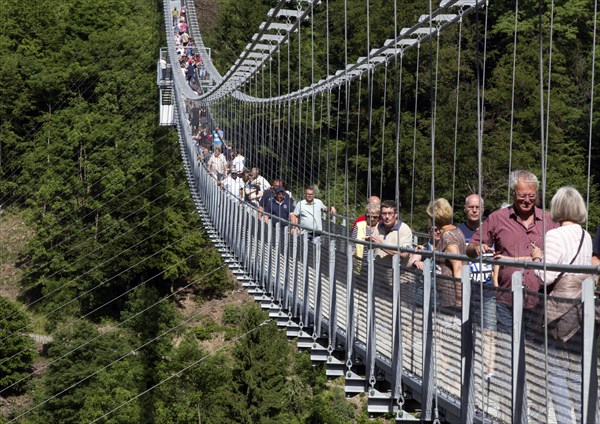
point(475, 250)
point(416, 260)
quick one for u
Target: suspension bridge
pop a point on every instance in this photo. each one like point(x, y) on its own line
point(378, 326)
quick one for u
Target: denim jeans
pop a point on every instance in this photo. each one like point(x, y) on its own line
point(564, 384)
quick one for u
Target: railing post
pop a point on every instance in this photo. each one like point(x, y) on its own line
point(318, 289)
point(275, 278)
point(305, 285)
point(371, 338)
point(234, 231)
point(589, 390)
point(466, 346)
point(294, 306)
point(261, 268)
point(214, 204)
point(349, 309)
point(233, 203)
point(243, 235)
point(255, 250)
point(235, 242)
point(226, 213)
point(286, 274)
point(519, 392)
point(427, 393)
point(396, 330)
point(220, 210)
point(332, 297)
point(269, 258)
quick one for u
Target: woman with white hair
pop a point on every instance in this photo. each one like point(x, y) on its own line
point(567, 244)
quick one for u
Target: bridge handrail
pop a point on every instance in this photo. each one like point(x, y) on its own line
point(580, 269)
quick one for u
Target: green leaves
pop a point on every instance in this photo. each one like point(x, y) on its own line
point(86, 379)
point(16, 349)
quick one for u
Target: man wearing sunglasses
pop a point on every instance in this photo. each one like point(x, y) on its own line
point(512, 233)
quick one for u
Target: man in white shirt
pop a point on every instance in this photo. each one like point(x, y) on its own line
point(217, 165)
point(239, 163)
point(234, 185)
point(392, 231)
point(308, 212)
point(259, 186)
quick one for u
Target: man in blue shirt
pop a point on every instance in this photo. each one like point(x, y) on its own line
point(279, 205)
point(217, 138)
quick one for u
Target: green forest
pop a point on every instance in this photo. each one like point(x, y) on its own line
point(115, 307)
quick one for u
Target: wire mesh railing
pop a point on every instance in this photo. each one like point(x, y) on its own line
point(458, 353)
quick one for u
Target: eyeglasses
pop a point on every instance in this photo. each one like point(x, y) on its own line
point(373, 216)
point(525, 195)
point(435, 229)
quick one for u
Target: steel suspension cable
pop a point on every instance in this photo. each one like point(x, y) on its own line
point(96, 209)
point(313, 136)
point(357, 140)
point(591, 119)
point(289, 117)
point(433, 76)
point(47, 294)
point(337, 137)
point(369, 103)
point(327, 138)
point(458, 64)
point(400, 68)
point(312, 81)
point(544, 127)
point(65, 97)
point(385, 78)
point(347, 86)
point(414, 149)
point(308, 137)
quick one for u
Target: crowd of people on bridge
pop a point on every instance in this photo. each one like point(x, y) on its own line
point(273, 200)
point(519, 231)
point(516, 231)
point(190, 61)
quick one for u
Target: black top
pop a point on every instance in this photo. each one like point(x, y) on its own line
point(281, 210)
point(596, 243)
point(466, 230)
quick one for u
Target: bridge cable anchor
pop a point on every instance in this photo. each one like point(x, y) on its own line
point(400, 402)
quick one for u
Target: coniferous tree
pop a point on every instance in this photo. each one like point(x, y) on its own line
point(16, 350)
